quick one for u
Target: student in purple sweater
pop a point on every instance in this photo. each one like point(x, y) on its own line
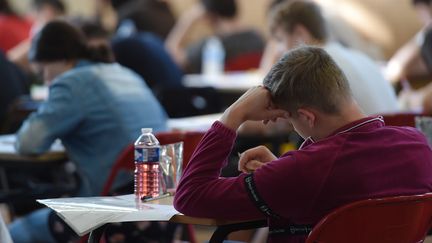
point(346, 156)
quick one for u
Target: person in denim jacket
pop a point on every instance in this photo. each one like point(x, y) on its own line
point(95, 107)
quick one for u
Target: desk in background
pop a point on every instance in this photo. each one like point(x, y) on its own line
point(236, 82)
point(229, 86)
point(23, 178)
point(193, 123)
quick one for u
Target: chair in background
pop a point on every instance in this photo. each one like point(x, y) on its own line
point(190, 141)
point(400, 119)
point(393, 219)
point(243, 62)
point(126, 158)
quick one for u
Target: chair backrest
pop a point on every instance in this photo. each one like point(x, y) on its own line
point(126, 159)
point(404, 219)
point(190, 141)
point(401, 119)
point(245, 61)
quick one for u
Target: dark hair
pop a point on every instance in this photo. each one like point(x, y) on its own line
point(59, 40)
point(93, 29)
point(5, 8)
point(307, 76)
point(116, 4)
point(306, 13)
point(58, 5)
point(222, 8)
point(427, 2)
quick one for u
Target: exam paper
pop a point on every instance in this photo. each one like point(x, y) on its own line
point(84, 214)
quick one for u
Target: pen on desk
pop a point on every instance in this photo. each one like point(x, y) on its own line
point(150, 198)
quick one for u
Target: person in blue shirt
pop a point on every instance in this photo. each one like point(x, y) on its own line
point(95, 107)
point(145, 53)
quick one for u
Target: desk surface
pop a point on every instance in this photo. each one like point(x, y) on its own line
point(194, 123)
point(8, 152)
point(230, 82)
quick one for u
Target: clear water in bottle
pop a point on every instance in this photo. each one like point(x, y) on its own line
point(147, 154)
point(213, 57)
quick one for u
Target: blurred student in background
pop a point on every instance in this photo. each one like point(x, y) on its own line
point(296, 23)
point(95, 107)
point(153, 16)
point(412, 59)
point(221, 16)
point(13, 28)
point(42, 11)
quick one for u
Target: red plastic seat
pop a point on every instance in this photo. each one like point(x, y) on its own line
point(404, 219)
point(243, 62)
point(126, 159)
point(401, 119)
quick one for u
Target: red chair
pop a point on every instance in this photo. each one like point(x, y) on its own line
point(400, 119)
point(404, 219)
point(126, 158)
point(243, 62)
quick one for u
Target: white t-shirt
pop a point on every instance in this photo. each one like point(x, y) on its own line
point(371, 91)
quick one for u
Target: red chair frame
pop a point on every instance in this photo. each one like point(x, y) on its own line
point(404, 219)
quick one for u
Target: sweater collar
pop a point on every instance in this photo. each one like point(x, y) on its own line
point(363, 123)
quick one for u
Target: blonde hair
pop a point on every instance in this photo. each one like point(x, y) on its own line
point(308, 76)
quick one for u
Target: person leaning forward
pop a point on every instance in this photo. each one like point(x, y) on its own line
point(346, 155)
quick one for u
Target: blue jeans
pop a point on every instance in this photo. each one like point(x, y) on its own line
point(32, 228)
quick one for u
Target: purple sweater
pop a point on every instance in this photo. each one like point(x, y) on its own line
point(364, 159)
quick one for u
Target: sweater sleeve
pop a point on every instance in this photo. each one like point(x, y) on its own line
point(202, 193)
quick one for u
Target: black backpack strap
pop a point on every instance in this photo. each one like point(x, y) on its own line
point(293, 229)
point(257, 199)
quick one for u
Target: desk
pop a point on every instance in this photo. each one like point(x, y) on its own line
point(237, 82)
point(9, 154)
point(229, 86)
point(84, 214)
point(29, 177)
point(193, 123)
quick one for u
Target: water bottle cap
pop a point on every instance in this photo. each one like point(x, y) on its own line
point(146, 130)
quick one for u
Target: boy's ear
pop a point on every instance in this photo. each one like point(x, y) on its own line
point(307, 116)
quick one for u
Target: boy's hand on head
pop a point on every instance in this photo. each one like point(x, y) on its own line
point(254, 105)
point(254, 158)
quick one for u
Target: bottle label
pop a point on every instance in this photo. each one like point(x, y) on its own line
point(146, 155)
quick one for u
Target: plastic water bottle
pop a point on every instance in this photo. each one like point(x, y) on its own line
point(213, 57)
point(147, 180)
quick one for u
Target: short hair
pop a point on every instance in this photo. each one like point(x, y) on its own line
point(58, 5)
point(306, 13)
point(5, 7)
point(308, 77)
point(59, 40)
point(222, 8)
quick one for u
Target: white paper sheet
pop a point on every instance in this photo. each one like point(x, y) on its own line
point(84, 214)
